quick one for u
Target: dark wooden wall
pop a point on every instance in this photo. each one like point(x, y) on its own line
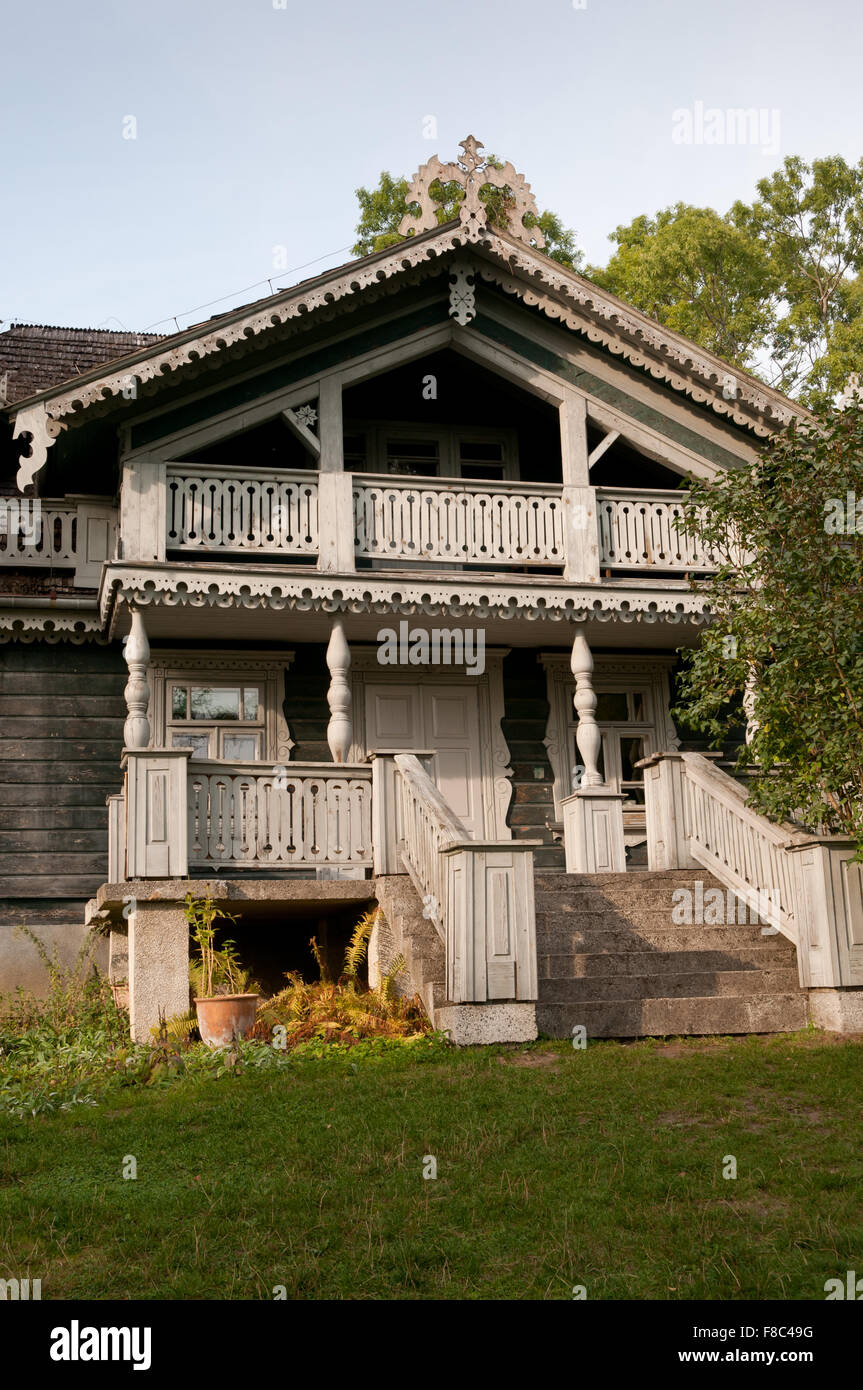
point(61, 736)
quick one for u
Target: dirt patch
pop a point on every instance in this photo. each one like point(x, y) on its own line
point(688, 1049)
point(677, 1119)
point(541, 1061)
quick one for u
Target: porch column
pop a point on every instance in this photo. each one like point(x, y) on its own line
point(136, 651)
point(593, 814)
point(335, 486)
point(339, 729)
point(587, 735)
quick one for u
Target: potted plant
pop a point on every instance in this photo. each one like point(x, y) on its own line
point(225, 995)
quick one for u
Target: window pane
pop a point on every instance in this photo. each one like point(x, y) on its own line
point(179, 703)
point(418, 457)
point(199, 743)
point(636, 700)
point(250, 702)
point(211, 703)
point(241, 748)
point(483, 471)
point(612, 706)
point(474, 451)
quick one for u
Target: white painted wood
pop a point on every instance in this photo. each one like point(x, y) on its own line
point(95, 539)
point(156, 799)
point(581, 535)
point(575, 469)
point(136, 651)
point(458, 522)
point(478, 894)
point(336, 523)
point(646, 530)
point(603, 445)
point(339, 730)
point(308, 814)
point(593, 835)
point(587, 735)
point(116, 804)
point(143, 510)
point(268, 511)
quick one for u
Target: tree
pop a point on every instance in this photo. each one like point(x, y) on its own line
point(786, 621)
point(809, 218)
point(382, 209)
point(699, 273)
point(773, 286)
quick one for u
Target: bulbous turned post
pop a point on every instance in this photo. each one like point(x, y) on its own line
point(136, 730)
point(749, 693)
point(339, 729)
point(587, 735)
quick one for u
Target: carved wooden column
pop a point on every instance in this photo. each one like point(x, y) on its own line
point(752, 724)
point(581, 527)
point(335, 486)
point(593, 816)
point(339, 729)
point(136, 730)
point(587, 735)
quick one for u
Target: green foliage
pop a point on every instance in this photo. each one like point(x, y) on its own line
point(217, 970)
point(773, 286)
point(342, 1011)
point(382, 209)
point(700, 274)
point(789, 616)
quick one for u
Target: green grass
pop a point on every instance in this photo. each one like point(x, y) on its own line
point(555, 1167)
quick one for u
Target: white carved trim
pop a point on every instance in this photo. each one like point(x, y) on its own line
point(267, 667)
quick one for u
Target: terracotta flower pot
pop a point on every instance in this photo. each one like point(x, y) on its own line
point(225, 1017)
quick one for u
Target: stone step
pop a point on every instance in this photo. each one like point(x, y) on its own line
point(646, 1018)
point(690, 984)
point(576, 940)
point(581, 965)
point(634, 919)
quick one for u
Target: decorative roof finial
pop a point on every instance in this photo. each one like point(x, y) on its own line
point(472, 172)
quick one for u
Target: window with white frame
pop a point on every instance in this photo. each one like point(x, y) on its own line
point(224, 706)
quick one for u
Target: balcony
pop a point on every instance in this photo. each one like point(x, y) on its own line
point(400, 522)
point(70, 537)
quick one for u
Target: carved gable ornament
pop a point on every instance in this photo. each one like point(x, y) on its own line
point(473, 173)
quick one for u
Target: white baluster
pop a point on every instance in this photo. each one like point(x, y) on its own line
point(587, 735)
point(136, 730)
point(339, 730)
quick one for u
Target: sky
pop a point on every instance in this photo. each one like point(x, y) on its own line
point(161, 160)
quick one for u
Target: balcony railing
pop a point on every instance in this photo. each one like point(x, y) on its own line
point(270, 512)
point(459, 523)
point(647, 531)
point(73, 534)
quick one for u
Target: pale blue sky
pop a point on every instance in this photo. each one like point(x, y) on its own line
point(255, 124)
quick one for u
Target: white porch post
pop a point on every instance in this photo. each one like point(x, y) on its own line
point(335, 486)
point(579, 498)
point(136, 730)
point(339, 729)
point(593, 814)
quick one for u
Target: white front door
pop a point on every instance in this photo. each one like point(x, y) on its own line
point(439, 718)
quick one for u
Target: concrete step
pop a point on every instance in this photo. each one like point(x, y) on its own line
point(691, 984)
point(597, 940)
point(584, 964)
point(644, 1018)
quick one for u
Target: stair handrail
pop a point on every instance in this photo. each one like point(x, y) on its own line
point(742, 848)
point(479, 894)
point(428, 824)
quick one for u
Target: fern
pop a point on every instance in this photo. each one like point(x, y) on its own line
point(320, 962)
point(359, 942)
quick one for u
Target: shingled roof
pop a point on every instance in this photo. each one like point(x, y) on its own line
point(36, 356)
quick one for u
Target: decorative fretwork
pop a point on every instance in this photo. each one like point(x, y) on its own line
point(473, 173)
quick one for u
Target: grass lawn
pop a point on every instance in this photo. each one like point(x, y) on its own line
point(555, 1167)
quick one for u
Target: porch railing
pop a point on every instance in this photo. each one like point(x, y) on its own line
point(647, 531)
point(479, 894)
point(301, 814)
point(272, 511)
point(458, 522)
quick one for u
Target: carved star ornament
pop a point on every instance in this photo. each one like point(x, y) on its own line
point(472, 172)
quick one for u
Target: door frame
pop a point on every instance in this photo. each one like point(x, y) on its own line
point(495, 768)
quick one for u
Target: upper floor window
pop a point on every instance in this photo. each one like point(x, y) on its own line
point(483, 455)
